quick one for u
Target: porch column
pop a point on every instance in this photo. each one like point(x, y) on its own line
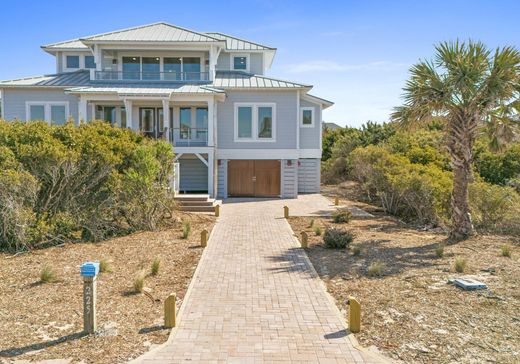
point(82, 111)
point(128, 109)
point(211, 122)
point(166, 116)
point(211, 171)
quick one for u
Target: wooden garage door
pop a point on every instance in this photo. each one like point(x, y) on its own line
point(254, 178)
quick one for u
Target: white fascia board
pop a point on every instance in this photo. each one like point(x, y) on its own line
point(268, 153)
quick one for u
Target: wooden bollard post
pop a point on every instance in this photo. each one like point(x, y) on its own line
point(286, 212)
point(204, 238)
point(336, 201)
point(89, 271)
point(170, 309)
point(305, 239)
point(217, 210)
point(354, 315)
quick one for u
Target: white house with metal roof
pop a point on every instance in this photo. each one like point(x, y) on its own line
point(234, 130)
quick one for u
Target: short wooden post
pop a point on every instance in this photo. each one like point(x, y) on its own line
point(354, 315)
point(286, 212)
point(170, 310)
point(305, 239)
point(89, 271)
point(336, 201)
point(204, 238)
point(217, 210)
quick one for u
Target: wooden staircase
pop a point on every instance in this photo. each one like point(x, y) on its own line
point(196, 202)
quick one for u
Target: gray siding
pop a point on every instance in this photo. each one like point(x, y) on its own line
point(286, 119)
point(193, 174)
point(223, 61)
point(222, 179)
point(310, 137)
point(256, 61)
point(309, 176)
point(289, 179)
point(14, 101)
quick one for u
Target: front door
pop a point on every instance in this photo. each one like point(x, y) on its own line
point(151, 122)
point(254, 178)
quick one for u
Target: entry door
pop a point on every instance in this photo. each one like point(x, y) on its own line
point(254, 178)
point(147, 121)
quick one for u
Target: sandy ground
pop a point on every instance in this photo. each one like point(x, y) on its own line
point(44, 321)
point(411, 313)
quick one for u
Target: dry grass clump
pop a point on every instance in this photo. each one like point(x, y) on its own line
point(459, 265)
point(317, 231)
point(439, 251)
point(156, 265)
point(341, 216)
point(105, 265)
point(139, 282)
point(47, 275)
point(186, 229)
point(505, 250)
point(375, 269)
point(356, 250)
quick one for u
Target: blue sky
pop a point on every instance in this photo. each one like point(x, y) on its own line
point(355, 53)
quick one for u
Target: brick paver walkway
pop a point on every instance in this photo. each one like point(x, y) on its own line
point(256, 299)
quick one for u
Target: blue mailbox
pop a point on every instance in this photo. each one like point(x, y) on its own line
point(89, 269)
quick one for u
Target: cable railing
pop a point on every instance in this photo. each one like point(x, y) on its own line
point(172, 76)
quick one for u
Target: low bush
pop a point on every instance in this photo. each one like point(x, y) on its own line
point(337, 238)
point(85, 183)
point(356, 250)
point(459, 265)
point(317, 231)
point(439, 251)
point(376, 269)
point(341, 216)
point(505, 250)
point(47, 275)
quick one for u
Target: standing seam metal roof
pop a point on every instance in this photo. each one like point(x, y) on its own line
point(234, 43)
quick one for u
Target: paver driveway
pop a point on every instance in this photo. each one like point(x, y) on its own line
point(255, 297)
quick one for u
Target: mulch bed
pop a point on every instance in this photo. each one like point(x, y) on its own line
point(44, 320)
point(410, 313)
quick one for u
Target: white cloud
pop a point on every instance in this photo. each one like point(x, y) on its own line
point(327, 66)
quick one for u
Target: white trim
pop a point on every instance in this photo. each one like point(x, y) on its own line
point(47, 109)
point(298, 119)
point(268, 153)
point(313, 123)
point(2, 104)
point(232, 61)
point(254, 127)
point(202, 158)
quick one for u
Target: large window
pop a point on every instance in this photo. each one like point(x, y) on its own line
point(89, 62)
point(131, 68)
point(151, 68)
point(172, 68)
point(307, 117)
point(106, 113)
point(185, 121)
point(255, 122)
point(72, 61)
point(191, 68)
point(55, 113)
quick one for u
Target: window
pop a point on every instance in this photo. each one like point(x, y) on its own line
point(240, 63)
point(255, 122)
point(89, 62)
point(185, 120)
point(191, 67)
point(172, 68)
point(72, 61)
point(151, 68)
point(201, 122)
point(106, 113)
point(131, 68)
point(54, 113)
point(307, 117)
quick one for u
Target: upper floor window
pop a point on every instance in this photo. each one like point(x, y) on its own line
point(89, 62)
point(255, 122)
point(162, 68)
point(72, 61)
point(307, 117)
point(151, 68)
point(54, 113)
point(240, 62)
point(132, 68)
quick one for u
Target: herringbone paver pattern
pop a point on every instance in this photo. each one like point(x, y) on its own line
point(255, 299)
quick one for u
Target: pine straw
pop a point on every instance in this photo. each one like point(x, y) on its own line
point(411, 313)
point(44, 321)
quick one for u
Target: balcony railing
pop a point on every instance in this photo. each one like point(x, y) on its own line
point(189, 137)
point(151, 76)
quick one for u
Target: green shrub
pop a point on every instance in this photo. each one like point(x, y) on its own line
point(79, 183)
point(317, 231)
point(186, 229)
point(47, 275)
point(505, 250)
point(439, 251)
point(376, 269)
point(459, 265)
point(341, 216)
point(156, 265)
point(337, 238)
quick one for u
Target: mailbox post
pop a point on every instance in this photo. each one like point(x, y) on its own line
point(89, 271)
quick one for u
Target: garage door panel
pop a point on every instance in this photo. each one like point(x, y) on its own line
point(240, 178)
point(254, 178)
point(267, 175)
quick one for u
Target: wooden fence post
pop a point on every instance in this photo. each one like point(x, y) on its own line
point(305, 239)
point(89, 271)
point(204, 238)
point(286, 212)
point(170, 314)
point(217, 210)
point(354, 315)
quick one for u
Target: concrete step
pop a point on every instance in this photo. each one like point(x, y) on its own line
point(187, 197)
point(209, 202)
point(197, 208)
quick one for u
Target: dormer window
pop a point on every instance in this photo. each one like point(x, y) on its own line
point(240, 62)
point(72, 62)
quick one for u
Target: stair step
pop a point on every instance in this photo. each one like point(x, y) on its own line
point(209, 202)
point(197, 208)
point(191, 197)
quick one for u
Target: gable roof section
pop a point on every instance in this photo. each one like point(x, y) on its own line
point(234, 43)
point(156, 32)
point(242, 80)
point(74, 44)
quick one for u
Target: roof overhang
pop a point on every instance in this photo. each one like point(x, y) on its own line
point(317, 100)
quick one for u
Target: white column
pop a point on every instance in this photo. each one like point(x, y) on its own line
point(128, 109)
point(211, 122)
point(82, 111)
point(213, 55)
point(211, 171)
point(166, 115)
point(98, 57)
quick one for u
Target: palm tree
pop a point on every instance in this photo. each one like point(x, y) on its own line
point(470, 89)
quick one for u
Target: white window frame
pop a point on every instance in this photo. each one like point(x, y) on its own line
point(47, 109)
point(254, 128)
point(306, 108)
point(232, 61)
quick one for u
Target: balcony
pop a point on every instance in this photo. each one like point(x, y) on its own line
point(150, 76)
point(189, 137)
